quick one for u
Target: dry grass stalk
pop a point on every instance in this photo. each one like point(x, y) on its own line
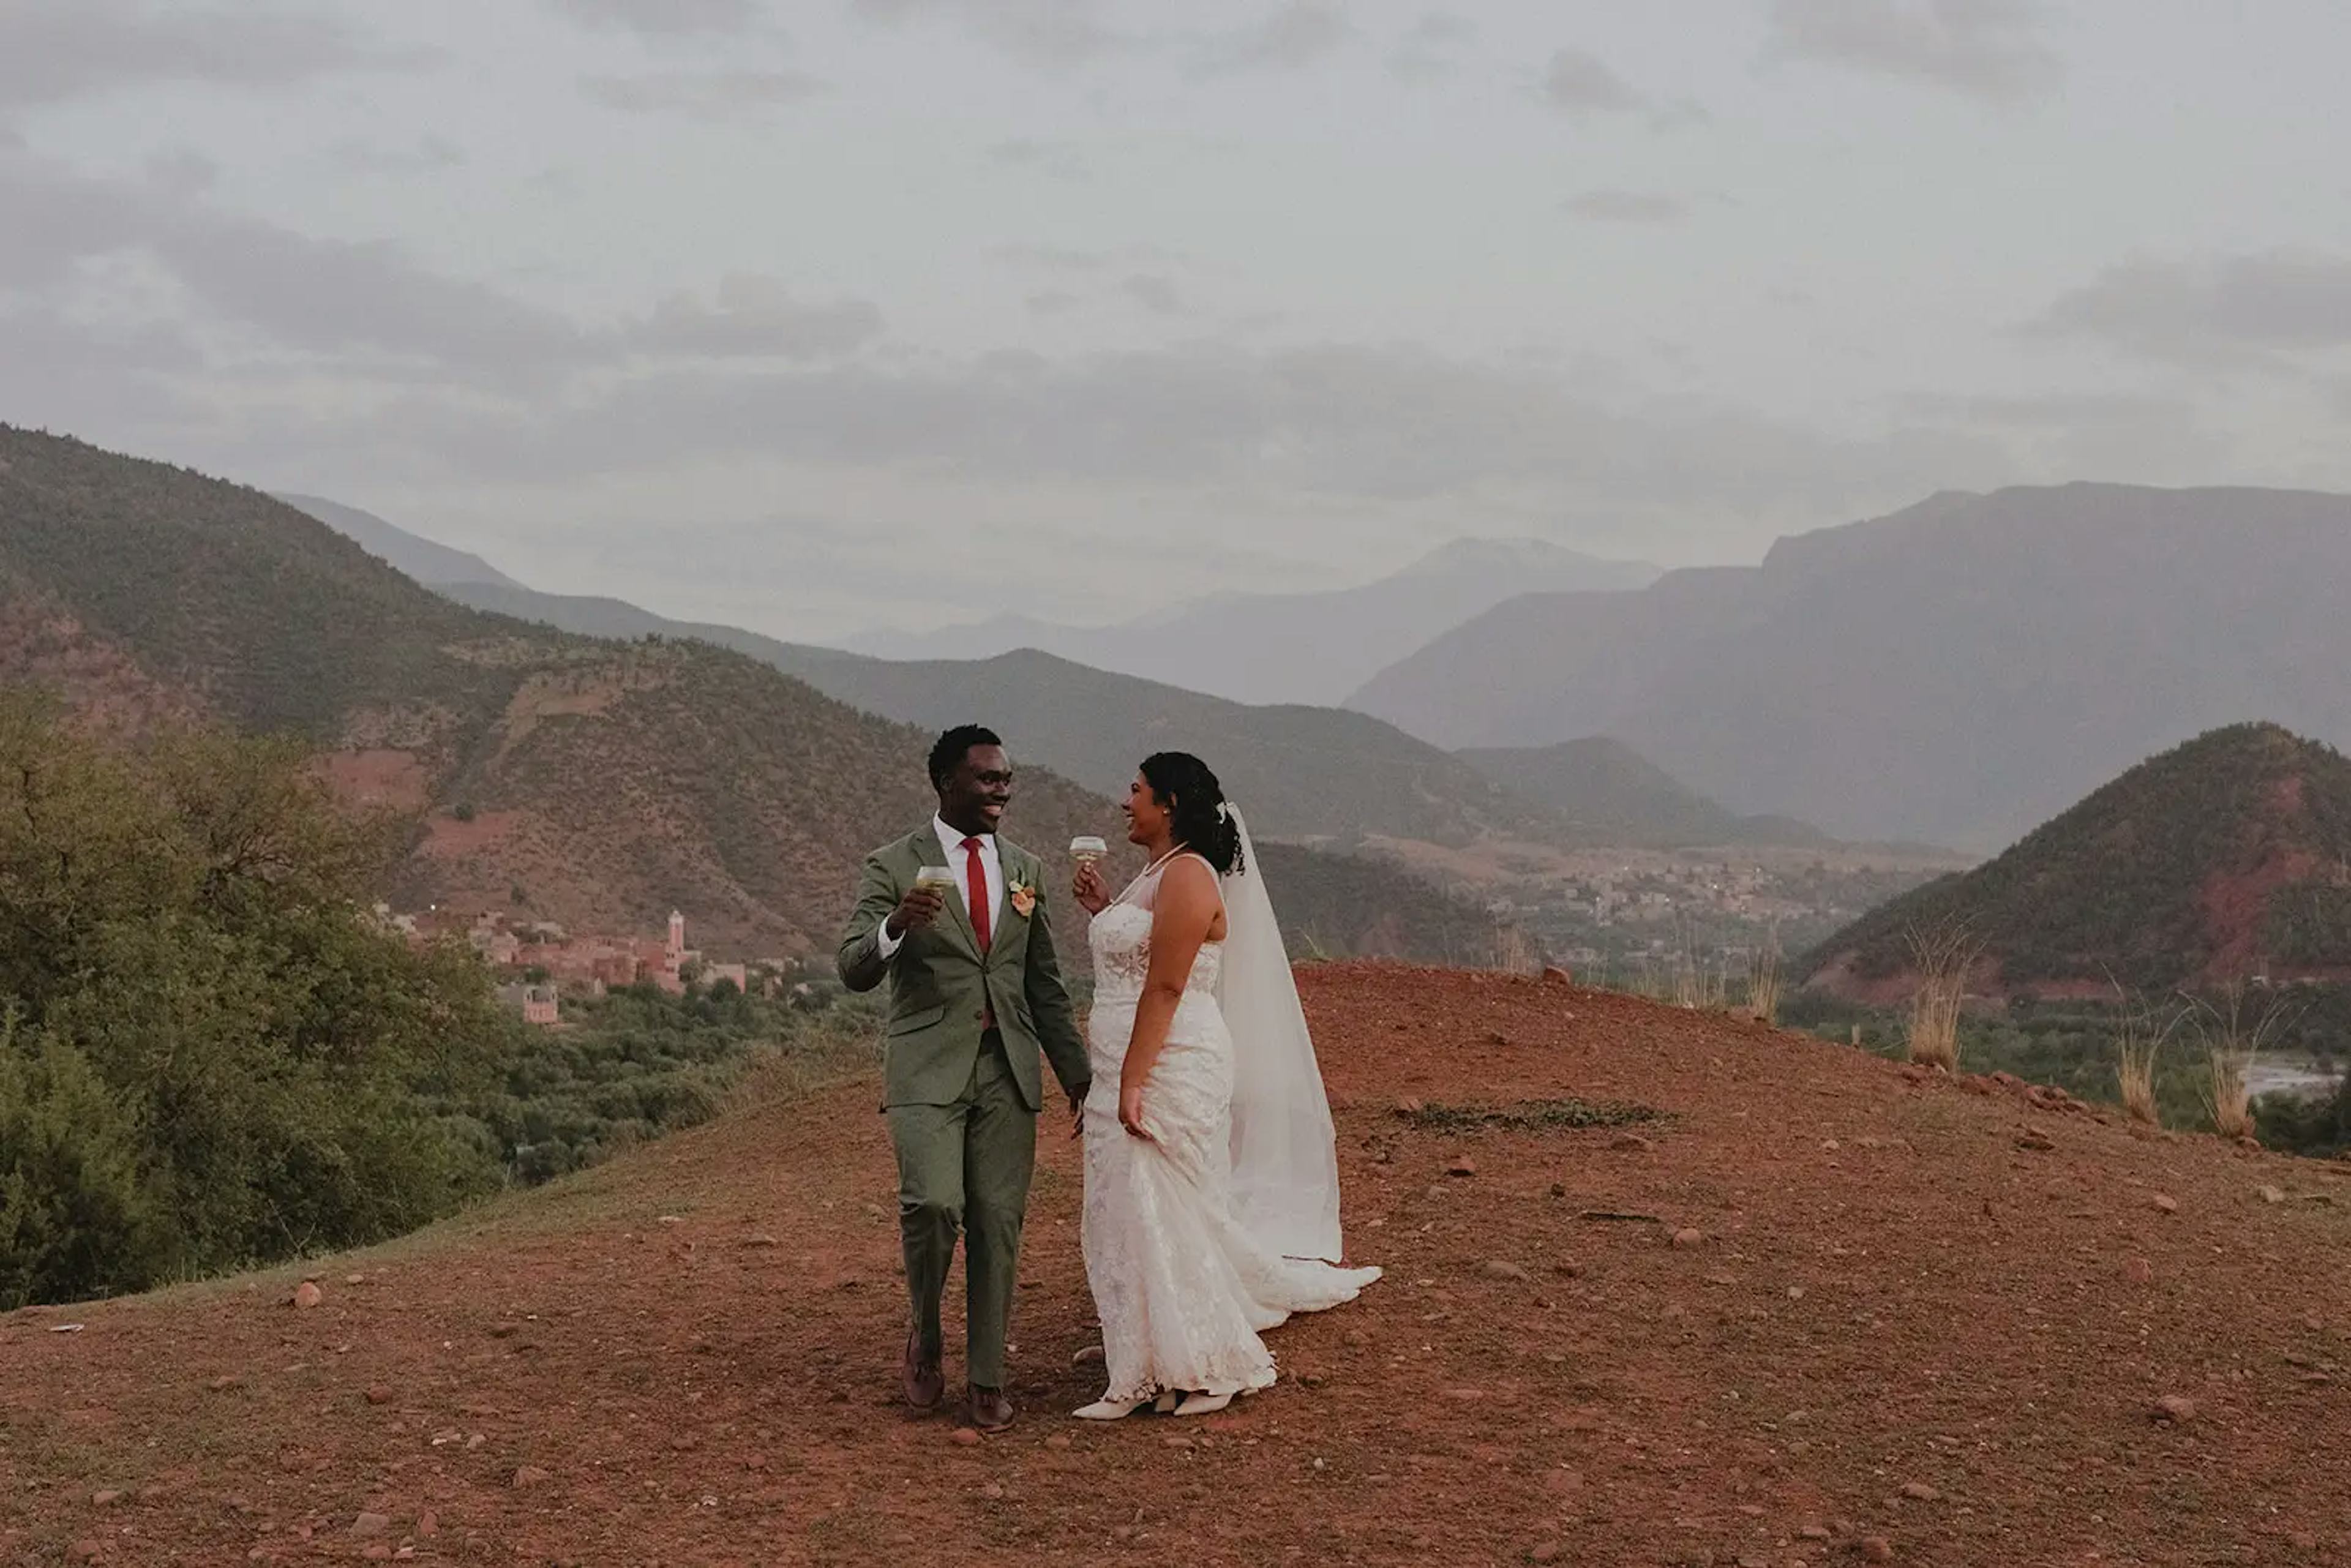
point(1764, 980)
point(2234, 1034)
point(1943, 956)
point(2139, 1033)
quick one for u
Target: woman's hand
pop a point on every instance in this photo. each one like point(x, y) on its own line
point(1130, 1111)
point(1089, 889)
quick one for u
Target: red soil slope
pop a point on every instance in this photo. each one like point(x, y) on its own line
point(1904, 1327)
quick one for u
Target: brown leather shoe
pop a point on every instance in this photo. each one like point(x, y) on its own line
point(926, 1384)
point(991, 1411)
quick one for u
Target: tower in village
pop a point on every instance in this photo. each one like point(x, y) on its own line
point(676, 940)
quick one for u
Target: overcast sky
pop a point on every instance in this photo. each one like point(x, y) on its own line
point(814, 314)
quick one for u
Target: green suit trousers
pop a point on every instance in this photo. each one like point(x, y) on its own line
point(965, 1167)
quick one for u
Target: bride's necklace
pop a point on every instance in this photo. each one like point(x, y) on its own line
point(1145, 874)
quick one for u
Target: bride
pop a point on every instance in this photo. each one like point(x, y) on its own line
point(1212, 1178)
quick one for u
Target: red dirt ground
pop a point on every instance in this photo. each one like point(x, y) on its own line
point(1898, 1328)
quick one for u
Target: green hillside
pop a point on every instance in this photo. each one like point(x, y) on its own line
point(2224, 858)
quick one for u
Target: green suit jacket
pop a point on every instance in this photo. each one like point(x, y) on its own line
point(941, 985)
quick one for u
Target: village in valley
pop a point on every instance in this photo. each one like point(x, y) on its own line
point(539, 962)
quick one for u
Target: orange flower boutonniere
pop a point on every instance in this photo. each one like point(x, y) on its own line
point(1023, 900)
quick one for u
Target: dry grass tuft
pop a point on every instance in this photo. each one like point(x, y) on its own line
point(2234, 1030)
point(1763, 981)
point(1944, 954)
point(2140, 1030)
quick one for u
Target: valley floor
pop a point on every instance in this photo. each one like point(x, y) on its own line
point(1897, 1330)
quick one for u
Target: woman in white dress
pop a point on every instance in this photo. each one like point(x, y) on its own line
point(1212, 1182)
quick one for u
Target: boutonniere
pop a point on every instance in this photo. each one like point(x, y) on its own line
point(1024, 900)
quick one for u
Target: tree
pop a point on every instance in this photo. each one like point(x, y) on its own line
point(212, 1056)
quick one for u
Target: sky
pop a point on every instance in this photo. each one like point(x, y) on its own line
point(819, 316)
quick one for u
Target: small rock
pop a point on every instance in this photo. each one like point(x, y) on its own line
point(378, 1552)
point(1554, 976)
point(370, 1524)
point(1058, 1441)
point(761, 1239)
point(1502, 1268)
point(354, 1278)
point(1545, 1552)
point(2302, 1541)
point(1356, 1339)
point(106, 1499)
point(1631, 1143)
point(2139, 1272)
point(1177, 1442)
point(963, 1438)
point(2165, 1203)
point(2034, 1139)
point(992, 1492)
point(1496, 1036)
point(2272, 1194)
point(379, 1395)
point(308, 1295)
point(1876, 1549)
point(1091, 1356)
point(428, 1525)
point(1813, 1532)
point(85, 1551)
point(531, 1476)
point(1919, 1491)
point(1408, 1106)
point(2175, 1408)
point(1688, 1237)
point(1462, 1165)
point(222, 1383)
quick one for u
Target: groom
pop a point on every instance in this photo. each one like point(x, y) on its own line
point(975, 993)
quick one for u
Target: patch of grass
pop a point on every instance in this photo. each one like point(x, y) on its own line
point(1942, 956)
point(1527, 1116)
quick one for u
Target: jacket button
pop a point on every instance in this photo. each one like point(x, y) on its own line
point(980, 1017)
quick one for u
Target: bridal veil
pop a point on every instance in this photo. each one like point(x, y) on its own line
point(1285, 1158)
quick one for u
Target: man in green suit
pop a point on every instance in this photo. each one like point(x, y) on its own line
point(975, 995)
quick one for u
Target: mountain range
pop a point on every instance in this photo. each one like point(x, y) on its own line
point(429, 564)
point(1287, 648)
point(1954, 672)
point(1297, 771)
point(2223, 859)
point(594, 782)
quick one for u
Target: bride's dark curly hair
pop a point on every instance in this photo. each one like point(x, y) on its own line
point(1194, 802)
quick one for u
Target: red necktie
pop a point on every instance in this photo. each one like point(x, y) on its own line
point(976, 877)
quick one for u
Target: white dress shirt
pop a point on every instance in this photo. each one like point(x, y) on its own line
point(991, 866)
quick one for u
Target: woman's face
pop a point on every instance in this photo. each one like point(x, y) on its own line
point(1146, 819)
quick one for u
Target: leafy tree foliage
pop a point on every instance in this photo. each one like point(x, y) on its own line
point(211, 1056)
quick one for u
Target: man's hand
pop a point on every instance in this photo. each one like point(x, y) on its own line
point(914, 911)
point(1077, 1112)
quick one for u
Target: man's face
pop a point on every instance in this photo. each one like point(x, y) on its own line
point(974, 797)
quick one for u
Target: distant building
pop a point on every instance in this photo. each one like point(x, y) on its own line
point(538, 1005)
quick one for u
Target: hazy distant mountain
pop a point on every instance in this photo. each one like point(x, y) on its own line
point(1310, 648)
point(1297, 771)
point(1609, 793)
point(1954, 672)
point(434, 565)
point(609, 781)
point(595, 617)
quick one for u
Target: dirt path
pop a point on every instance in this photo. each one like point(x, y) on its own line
point(1895, 1328)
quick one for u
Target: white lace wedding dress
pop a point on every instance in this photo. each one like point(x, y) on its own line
point(1182, 1285)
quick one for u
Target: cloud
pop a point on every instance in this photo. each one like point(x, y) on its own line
point(754, 317)
point(1984, 49)
point(1154, 294)
point(2244, 310)
point(1053, 302)
point(1581, 86)
point(667, 18)
point(702, 95)
point(52, 51)
point(428, 155)
point(318, 296)
point(1058, 33)
point(1429, 50)
point(1579, 83)
point(1059, 160)
point(1300, 33)
point(1627, 207)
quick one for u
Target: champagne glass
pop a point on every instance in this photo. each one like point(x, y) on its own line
point(1088, 850)
point(937, 878)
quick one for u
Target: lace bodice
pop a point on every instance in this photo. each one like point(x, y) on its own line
point(1120, 940)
